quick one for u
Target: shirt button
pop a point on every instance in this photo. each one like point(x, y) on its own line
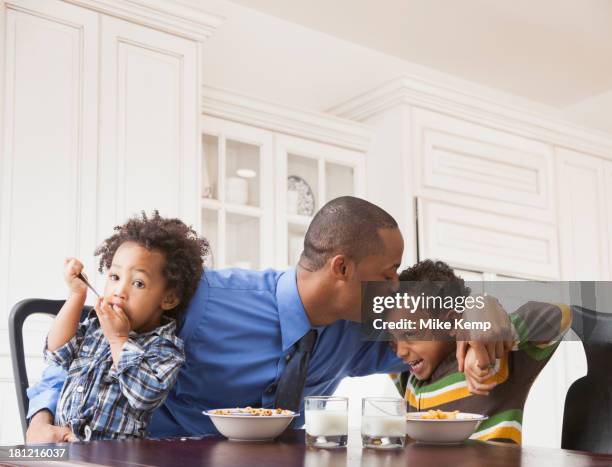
point(85, 348)
point(287, 357)
point(80, 389)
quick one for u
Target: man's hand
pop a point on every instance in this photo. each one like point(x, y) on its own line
point(42, 430)
point(487, 345)
point(475, 376)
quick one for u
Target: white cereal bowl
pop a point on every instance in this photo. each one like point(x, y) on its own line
point(245, 427)
point(442, 431)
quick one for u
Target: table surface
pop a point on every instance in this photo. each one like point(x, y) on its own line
point(289, 450)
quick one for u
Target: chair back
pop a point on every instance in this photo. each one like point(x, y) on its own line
point(587, 419)
point(19, 313)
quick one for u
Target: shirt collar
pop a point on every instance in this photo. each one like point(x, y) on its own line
point(294, 322)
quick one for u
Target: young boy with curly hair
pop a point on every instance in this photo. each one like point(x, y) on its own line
point(434, 381)
point(124, 357)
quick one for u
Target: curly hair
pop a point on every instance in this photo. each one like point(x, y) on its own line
point(435, 278)
point(183, 250)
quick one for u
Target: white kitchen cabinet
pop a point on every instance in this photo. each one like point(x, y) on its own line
point(264, 144)
point(478, 240)
point(482, 167)
point(46, 211)
point(148, 100)
point(236, 193)
point(99, 119)
point(583, 215)
point(328, 171)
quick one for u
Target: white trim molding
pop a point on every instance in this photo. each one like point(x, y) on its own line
point(164, 15)
point(222, 103)
point(519, 119)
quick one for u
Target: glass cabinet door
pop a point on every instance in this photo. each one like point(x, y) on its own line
point(311, 175)
point(237, 200)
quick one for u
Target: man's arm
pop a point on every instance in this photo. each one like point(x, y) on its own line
point(379, 357)
point(537, 328)
point(42, 430)
point(490, 345)
point(43, 399)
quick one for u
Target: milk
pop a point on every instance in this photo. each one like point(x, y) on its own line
point(383, 425)
point(326, 422)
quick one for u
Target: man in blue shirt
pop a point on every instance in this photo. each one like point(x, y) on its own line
point(241, 326)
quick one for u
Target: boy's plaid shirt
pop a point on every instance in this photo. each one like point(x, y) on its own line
point(99, 401)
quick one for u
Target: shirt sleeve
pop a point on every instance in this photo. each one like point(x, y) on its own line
point(146, 375)
point(64, 355)
point(45, 394)
point(539, 327)
point(376, 357)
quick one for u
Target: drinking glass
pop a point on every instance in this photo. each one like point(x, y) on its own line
point(383, 422)
point(326, 420)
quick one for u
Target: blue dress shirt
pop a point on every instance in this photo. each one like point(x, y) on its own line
point(238, 330)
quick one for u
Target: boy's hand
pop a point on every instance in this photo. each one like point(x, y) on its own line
point(488, 345)
point(42, 430)
point(475, 376)
point(113, 321)
point(72, 268)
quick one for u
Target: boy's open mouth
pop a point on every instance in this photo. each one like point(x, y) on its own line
point(416, 365)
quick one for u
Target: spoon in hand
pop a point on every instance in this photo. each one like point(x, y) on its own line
point(84, 279)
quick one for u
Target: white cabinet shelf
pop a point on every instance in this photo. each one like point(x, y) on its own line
point(241, 209)
point(297, 220)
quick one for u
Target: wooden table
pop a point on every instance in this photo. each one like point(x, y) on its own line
point(290, 450)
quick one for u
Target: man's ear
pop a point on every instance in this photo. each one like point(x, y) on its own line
point(170, 301)
point(341, 267)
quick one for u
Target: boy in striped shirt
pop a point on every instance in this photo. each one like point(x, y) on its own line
point(435, 382)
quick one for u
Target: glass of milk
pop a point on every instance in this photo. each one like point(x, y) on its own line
point(383, 422)
point(326, 420)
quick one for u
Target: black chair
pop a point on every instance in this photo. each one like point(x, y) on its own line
point(19, 313)
point(587, 419)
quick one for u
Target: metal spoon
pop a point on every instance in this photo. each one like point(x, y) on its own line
point(84, 279)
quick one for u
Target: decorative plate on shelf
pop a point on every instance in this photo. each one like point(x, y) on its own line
point(306, 199)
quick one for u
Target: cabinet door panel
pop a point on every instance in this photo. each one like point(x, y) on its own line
point(472, 239)
point(149, 137)
point(49, 155)
point(582, 226)
point(479, 166)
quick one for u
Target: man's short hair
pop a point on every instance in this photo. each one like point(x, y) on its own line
point(348, 226)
